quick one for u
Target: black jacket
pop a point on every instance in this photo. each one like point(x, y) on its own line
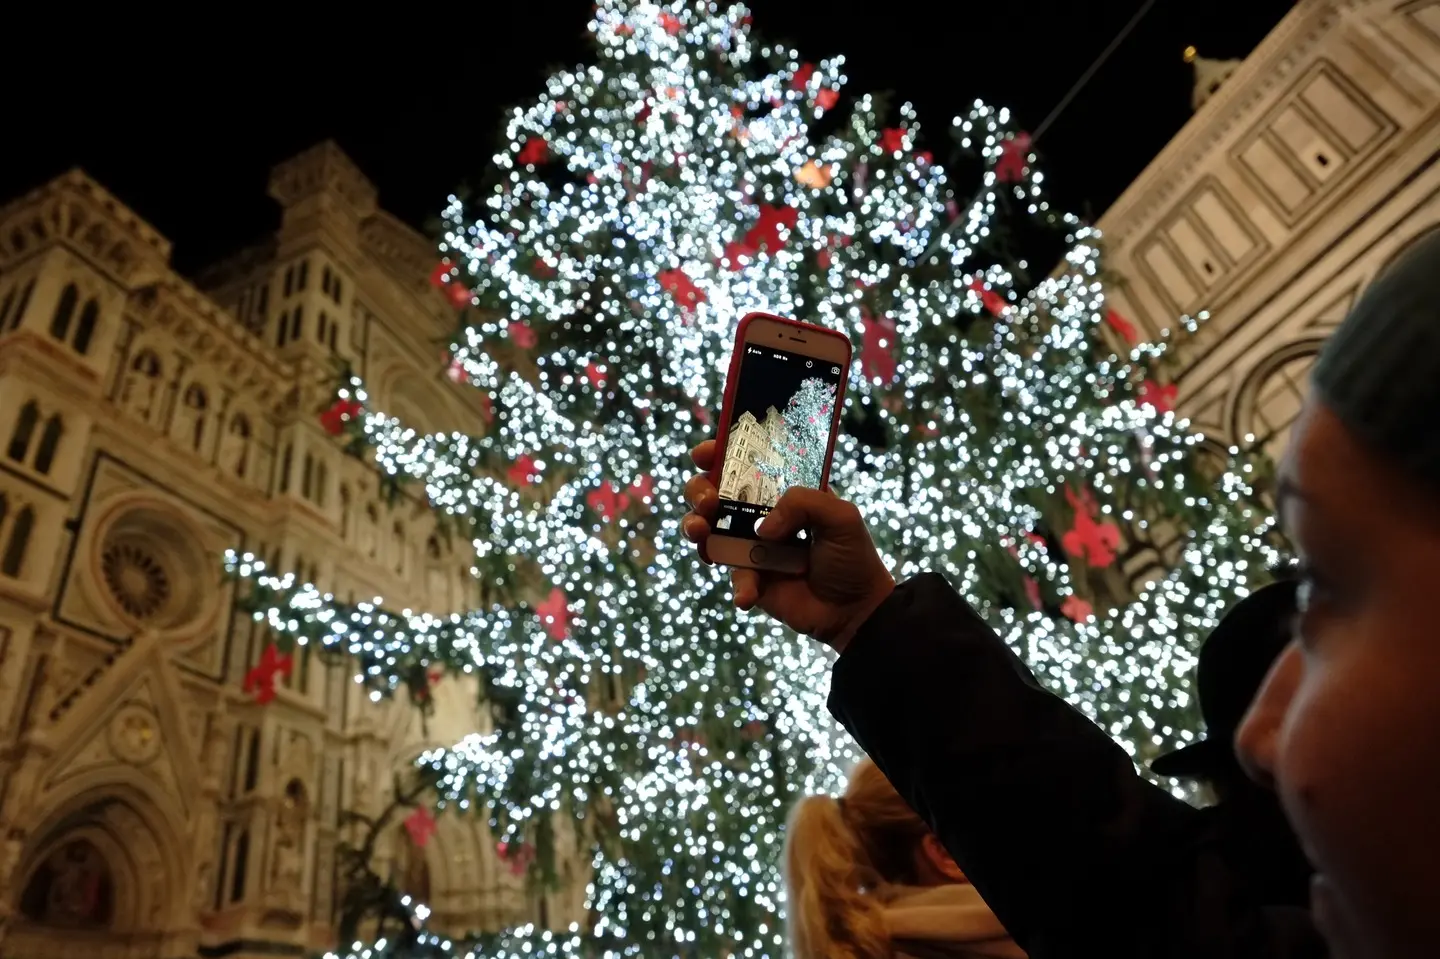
point(1072, 849)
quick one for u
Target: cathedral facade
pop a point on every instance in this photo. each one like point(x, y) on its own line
point(149, 805)
point(752, 444)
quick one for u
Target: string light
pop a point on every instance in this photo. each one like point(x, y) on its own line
point(641, 207)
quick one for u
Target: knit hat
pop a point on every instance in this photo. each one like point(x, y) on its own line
point(1380, 371)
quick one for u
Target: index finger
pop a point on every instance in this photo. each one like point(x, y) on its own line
point(704, 455)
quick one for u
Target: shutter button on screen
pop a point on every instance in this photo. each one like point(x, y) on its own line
point(758, 554)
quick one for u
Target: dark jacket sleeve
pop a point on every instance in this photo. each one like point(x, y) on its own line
point(1072, 849)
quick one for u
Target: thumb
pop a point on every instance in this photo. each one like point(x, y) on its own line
point(805, 508)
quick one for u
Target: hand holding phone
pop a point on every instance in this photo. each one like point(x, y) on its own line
point(783, 396)
point(845, 580)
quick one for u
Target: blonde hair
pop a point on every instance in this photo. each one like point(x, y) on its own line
point(836, 854)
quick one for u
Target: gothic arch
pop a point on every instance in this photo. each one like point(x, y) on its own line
point(1404, 248)
point(1245, 415)
point(138, 831)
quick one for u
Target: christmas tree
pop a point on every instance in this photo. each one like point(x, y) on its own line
point(802, 447)
point(1004, 429)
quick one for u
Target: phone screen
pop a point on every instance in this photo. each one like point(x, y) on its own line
point(780, 427)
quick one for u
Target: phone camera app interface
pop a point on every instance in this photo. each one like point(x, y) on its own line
point(784, 405)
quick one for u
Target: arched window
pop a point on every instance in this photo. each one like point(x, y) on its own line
point(296, 319)
point(49, 443)
point(64, 310)
point(19, 313)
point(322, 477)
point(432, 546)
point(85, 329)
point(24, 431)
point(242, 861)
point(397, 540)
point(14, 556)
point(282, 329)
point(196, 402)
point(73, 888)
point(285, 460)
point(304, 274)
point(344, 510)
point(307, 476)
point(372, 529)
point(5, 307)
point(238, 443)
point(1273, 396)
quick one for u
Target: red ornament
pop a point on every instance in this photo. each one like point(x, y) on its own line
point(826, 98)
point(524, 471)
point(458, 295)
point(260, 680)
point(643, 489)
point(892, 140)
point(1036, 539)
point(340, 412)
point(624, 30)
point(608, 501)
point(670, 23)
point(440, 276)
point(421, 826)
point(518, 856)
point(1032, 591)
point(534, 150)
point(737, 254)
point(543, 269)
point(554, 615)
point(924, 158)
point(1014, 159)
point(1077, 609)
point(993, 301)
point(682, 288)
point(1124, 327)
point(765, 234)
point(702, 414)
point(754, 729)
point(877, 349)
point(595, 373)
point(521, 335)
point(952, 208)
point(1159, 398)
point(455, 373)
point(823, 259)
point(644, 113)
point(802, 76)
point(1094, 542)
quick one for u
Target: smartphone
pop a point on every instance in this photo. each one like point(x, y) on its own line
point(783, 396)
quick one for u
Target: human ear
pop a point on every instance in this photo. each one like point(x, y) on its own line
point(940, 860)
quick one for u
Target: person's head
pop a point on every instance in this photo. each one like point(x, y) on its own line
point(1231, 666)
point(1348, 722)
point(839, 853)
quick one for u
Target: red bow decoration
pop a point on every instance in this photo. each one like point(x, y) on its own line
point(682, 288)
point(543, 269)
point(1159, 398)
point(440, 276)
point(260, 680)
point(1077, 609)
point(765, 234)
point(1014, 159)
point(1094, 542)
point(670, 23)
point(554, 615)
point(432, 679)
point(518, 856)
point(826, 98)
point(455, 373)
point(1124, 327)
point(521, 334)
point(458, 295)
point(421, 826)
point(802, 76)
point(607, 500)
point(340, 412)
point(737, 254)
point(1032, 591)
point(892, 140)
point(754, 729)
point(702, 414)
point(595, 373)
point(643, 489)
point(624, 30)
point(993, 301)
point(877, 349)
point(535, 150)
point(524, 472)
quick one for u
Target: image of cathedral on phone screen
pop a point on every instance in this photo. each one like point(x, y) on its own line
point(784, 405)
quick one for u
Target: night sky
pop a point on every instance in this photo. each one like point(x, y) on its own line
point(767, 382)
point(184, 129)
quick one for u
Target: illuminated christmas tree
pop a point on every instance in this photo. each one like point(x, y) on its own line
point(1003, 429)
point(802, 446)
